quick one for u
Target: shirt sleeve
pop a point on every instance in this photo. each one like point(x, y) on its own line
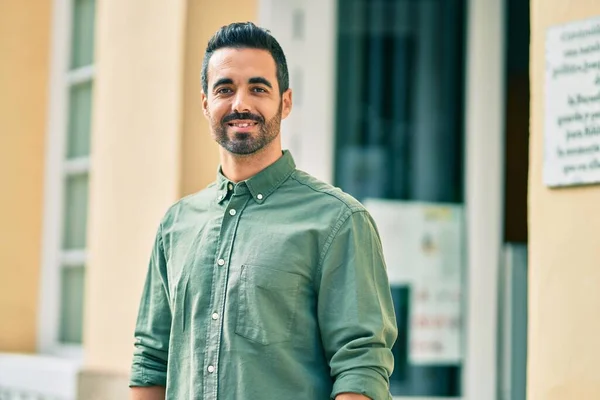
point(355, 309)
point(149, 366)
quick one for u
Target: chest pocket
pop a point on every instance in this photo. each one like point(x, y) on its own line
point(267, 304)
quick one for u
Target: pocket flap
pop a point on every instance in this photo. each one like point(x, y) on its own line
point(270, 278)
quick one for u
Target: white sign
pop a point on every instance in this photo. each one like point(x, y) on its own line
point(423, 247)
point(572, 115)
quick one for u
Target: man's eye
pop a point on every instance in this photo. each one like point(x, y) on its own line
point(259, 90)
point(224, 91)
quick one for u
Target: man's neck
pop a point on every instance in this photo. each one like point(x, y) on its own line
point(239, 168)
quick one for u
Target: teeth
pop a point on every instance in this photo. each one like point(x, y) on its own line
point(243, 125)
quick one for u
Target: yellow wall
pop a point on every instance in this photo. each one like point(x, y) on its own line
point(564, 323)
point(150, 146)
point(200, 157)
point(24, 69)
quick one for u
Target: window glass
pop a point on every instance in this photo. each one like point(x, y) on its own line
point(76, 200)
point(82, 43)
point(80, 110)
point(71, 305)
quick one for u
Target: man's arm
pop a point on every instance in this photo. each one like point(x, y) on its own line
point(153, 328)
point(355, 310)
point(149, 393)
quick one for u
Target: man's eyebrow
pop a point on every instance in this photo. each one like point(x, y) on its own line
point(260, 80)
point(223, 81)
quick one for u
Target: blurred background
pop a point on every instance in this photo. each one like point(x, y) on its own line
point(419, 108)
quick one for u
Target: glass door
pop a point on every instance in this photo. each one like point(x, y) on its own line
point(399, 150)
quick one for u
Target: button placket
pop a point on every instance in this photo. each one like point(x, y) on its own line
point(220, 284)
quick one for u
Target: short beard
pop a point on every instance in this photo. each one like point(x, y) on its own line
point(244, 144)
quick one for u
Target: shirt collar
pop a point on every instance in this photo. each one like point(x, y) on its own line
point(261, 185)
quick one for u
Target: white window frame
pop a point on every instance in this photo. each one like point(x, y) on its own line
point(57, 168)
point(484, 193)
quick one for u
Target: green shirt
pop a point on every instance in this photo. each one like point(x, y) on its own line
point(272, 288)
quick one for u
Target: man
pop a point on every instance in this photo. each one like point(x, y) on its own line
point(269, 284)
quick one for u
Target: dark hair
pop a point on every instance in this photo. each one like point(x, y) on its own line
point(246, 35)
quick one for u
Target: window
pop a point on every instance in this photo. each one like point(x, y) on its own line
point(67, 177)
point(399, 137)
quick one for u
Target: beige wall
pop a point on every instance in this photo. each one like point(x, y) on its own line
point(564, 327)
point(150, 146)
point(135, 164)
point(24, 69)
point(200, 157)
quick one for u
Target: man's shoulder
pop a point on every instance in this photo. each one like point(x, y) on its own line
point(196, 201)
point(324, 192)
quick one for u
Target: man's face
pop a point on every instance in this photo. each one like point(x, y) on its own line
point(243, 104)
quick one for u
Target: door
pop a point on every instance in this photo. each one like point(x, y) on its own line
point(400, 103)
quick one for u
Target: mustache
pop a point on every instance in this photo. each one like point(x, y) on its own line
point(243, 116)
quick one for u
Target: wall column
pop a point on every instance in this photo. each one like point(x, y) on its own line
point(564, 247)
point(24, 74)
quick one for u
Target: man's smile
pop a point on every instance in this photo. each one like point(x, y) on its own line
point(242, 126)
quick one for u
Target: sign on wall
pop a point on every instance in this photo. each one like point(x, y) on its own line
point(572, 115)
point(423, 247)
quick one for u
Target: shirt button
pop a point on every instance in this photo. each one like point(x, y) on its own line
point(232, 212)
point(259, 196)
point(215, 316)
point(230, 186)
point(211, 369)
point(221, 262)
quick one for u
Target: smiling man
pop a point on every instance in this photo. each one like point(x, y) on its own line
point(268, 284)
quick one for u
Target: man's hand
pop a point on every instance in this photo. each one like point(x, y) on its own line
point(148, 393)
point(351, 396)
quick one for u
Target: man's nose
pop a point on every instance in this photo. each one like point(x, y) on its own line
point(240, 102)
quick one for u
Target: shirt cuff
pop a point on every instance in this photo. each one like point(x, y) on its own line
point(146, 375)
point(363, 381)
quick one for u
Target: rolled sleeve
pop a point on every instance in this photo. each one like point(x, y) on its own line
point(149, 366)
point(363, 381)
point(355, 308)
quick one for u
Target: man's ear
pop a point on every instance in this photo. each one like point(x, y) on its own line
point(286, 103)
point(204, 104)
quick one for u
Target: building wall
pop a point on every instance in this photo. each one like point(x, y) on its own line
point(24, 69)
point(564, 249)
point(150, 147)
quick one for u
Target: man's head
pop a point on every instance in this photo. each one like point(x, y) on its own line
point(245, 88)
